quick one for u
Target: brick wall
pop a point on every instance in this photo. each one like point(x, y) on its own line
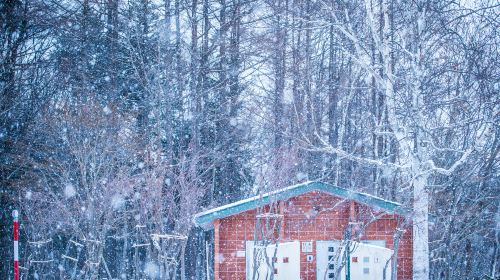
point(309, 217)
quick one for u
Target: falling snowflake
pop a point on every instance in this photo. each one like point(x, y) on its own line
point(117, 201)
point(233, 121)
point(69, 190)
point(151, 270)
point(107, 110)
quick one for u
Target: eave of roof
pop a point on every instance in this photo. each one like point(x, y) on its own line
point(205, 219)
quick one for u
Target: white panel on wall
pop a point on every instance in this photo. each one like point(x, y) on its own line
point(328, 259)
point(286, 263)
point(371, 262)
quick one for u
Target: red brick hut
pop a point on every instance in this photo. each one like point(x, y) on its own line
point(301, 232)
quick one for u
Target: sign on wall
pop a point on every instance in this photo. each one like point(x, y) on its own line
point(307, 247)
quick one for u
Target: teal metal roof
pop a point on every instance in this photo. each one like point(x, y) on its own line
point(205, 219)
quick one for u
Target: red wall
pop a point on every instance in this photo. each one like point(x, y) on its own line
point(301, 223)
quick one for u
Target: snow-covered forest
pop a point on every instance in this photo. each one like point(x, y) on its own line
point(120, 119)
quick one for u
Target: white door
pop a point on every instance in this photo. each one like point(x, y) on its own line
point(367, 261)
point(285, 258)
point(329, 256)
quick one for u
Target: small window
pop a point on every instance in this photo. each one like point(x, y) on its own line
point(285, 260)
point(275, 271)
point(366, 259)
point(275, 260)
point(330, 258)
point(331, 249)
point(331, 275)
point(366, 270)
point(331, 266)
point(354, 259)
